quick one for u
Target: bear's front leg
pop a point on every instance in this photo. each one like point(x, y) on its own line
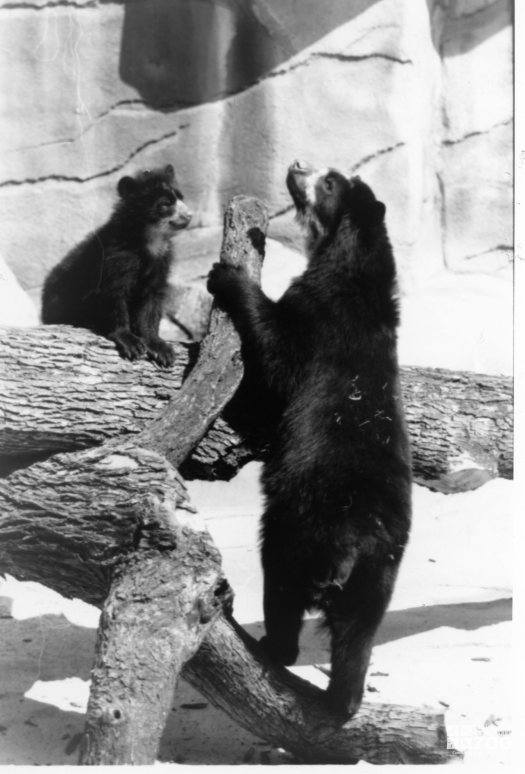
point(230, 286)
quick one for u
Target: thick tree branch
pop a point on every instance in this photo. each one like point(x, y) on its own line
point(219, 368)
point(292, 710)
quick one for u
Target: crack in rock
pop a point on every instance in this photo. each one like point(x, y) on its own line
point(106, 173)
point(360, 57)
point(476, 12)
point(338, 57)
point(503, 248)
point(372, 156)
point(477, 133)
point(442, 219)
point(45, 6)
point(93, 123)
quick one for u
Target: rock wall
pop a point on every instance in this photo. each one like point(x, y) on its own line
point(414, 95)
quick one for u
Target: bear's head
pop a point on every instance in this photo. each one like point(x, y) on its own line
point(152, 196)
point(324, 197)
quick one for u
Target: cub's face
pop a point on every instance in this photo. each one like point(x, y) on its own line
point(153, 195)
point(322, 197)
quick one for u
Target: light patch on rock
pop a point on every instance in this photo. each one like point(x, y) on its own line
point(16, 308)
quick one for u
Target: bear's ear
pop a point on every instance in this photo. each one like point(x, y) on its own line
point(126, 186)
point(169, 171)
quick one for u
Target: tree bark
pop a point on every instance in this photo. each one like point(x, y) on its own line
point(114, 528)
point(157, 613)
point(65, 388)
point(219, 367)
point(230, 670)
point(458, 421)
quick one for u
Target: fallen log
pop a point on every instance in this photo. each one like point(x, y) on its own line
point(112, 527)
point(115, 529)
point(290, 712)
point(65, 389)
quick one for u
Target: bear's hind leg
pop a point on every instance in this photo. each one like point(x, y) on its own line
point(283, 614)
point(353, 618)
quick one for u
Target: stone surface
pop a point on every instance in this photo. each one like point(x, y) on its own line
point(16, 308)
point(413, 95)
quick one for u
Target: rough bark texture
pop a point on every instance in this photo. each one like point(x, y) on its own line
point(65, 388)
point(70, 520)
point(458, 420)
point(114, 528)
point(161, 604)
point(230, 670)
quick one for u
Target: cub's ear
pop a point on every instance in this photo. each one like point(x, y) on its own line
point(126, 186)
point(169, 171)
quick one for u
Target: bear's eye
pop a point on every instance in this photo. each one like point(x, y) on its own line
point(328, 184)
point(166, 205)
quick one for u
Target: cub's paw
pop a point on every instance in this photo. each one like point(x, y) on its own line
point(129, 346)
point(161, 352)
point(223, 281)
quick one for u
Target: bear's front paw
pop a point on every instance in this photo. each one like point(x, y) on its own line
point(223, 281)
point(129, 346)
point(161, 352)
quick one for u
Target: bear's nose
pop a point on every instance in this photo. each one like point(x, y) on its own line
point(300, 166)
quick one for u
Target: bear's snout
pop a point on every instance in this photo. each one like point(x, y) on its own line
point(181, 217)
point(302, 167)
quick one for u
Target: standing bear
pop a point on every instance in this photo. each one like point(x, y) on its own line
point(337, 480)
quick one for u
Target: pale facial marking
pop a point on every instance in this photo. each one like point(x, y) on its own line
point(183, 214)
point(311, 182)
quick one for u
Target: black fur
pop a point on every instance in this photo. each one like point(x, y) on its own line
point(337, 482)
point(114, 281)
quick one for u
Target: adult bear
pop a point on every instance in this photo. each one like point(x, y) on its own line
point(337, 480)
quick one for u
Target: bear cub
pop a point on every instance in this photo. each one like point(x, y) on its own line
point(114, 281)
point(337, 480)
